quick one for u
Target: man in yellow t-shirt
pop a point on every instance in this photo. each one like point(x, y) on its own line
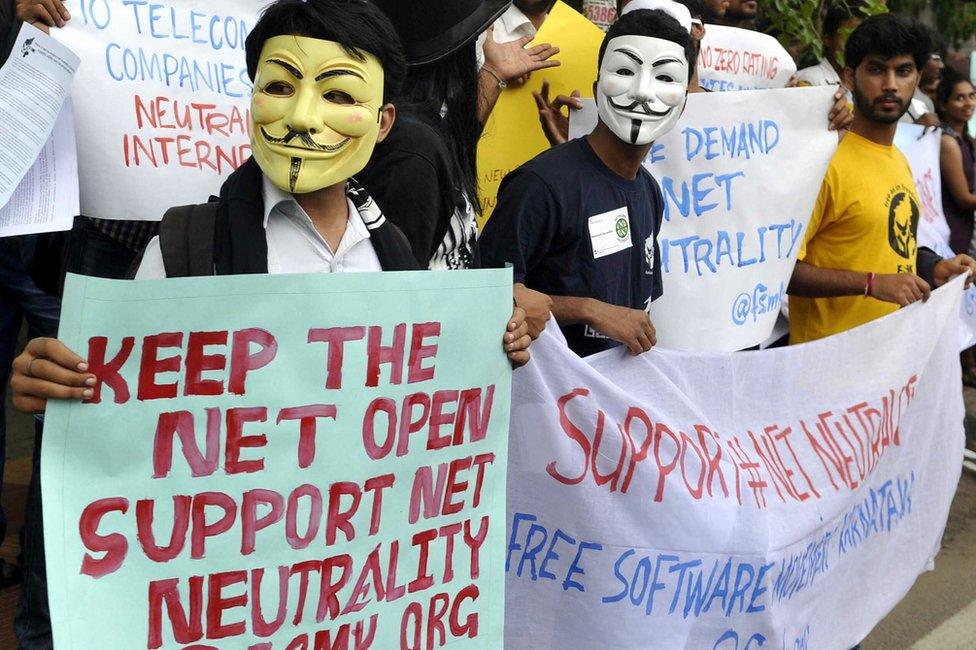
point(859, 258)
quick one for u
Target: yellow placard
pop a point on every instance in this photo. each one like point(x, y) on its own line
point(513, 135)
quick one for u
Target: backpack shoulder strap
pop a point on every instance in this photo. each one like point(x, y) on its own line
point(186, 240)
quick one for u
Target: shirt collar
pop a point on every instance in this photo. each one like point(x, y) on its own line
point(274, 196)
point(513, 19)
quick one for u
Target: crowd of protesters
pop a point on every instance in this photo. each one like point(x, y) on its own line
point(408, 197)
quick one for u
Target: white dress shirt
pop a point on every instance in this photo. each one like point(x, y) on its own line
point(510, 26)
point(513, 25)
point(822, 74)
point(294, 246)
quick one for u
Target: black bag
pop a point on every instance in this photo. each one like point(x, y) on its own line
point(186, 240)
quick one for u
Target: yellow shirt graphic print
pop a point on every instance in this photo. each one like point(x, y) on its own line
point(865, 219)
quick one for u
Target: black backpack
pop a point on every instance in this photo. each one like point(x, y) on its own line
point(186, 240)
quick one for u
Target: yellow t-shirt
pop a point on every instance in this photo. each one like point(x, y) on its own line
point(865, 219)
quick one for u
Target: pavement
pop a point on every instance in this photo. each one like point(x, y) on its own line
point(939, 613)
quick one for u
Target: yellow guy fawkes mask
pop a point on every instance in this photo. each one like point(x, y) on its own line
point(315, 112)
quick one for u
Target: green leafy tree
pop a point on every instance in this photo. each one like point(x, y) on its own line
point(954, 19)
point(797, 23)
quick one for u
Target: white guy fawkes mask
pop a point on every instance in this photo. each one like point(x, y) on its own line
point(642, 87)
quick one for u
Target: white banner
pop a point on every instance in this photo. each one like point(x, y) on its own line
point(161, 101)
point(777, 499)
point(921, 147)
point(740, 174)
point(742, 59)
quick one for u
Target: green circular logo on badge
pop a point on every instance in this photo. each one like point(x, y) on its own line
point(622, 228)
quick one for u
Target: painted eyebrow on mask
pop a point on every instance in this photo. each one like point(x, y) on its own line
point(339, 73)
point(658, 64)
point(295, 72)
point(630, 55)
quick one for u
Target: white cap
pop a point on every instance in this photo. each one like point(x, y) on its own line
point(678, 11)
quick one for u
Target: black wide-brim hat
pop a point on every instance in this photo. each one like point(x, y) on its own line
point(433, 29)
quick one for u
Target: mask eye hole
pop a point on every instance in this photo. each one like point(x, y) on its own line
point(338, 97)
point(279, 89)
point(625, 72)
point(666, 78)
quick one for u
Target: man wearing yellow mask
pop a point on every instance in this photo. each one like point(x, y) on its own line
point(323, 72)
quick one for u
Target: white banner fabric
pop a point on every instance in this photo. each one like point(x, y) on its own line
point(731, 58)
point(921, 148)
point(783, 498)
point(161, 101)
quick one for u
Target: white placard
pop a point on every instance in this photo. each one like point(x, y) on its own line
point(921, 148)
point(742, 59)
point(786, 498)
point(161, 101)
point(740, 174)
point(33, 84)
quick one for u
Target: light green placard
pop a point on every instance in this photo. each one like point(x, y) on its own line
point(260, 541)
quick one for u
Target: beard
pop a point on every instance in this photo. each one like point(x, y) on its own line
point(870, 109)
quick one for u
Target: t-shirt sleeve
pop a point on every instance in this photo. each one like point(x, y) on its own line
point(822, 211)
point(521, 230)
point(407, 189)
point(925, 261)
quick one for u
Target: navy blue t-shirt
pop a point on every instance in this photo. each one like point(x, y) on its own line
point(572, 227)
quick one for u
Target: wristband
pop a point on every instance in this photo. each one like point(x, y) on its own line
point(869, 285)
point(501, 82)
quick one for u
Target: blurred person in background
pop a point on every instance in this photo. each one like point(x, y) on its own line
point(841, 19)
point(955, 103)
point(740, 13)
point(715, 11)
point(932, 72)
point(424, 174)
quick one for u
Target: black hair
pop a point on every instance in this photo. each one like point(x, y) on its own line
point(838, 12)
point(950, 79)
point(651, 22)
point(888, 35)
point(359, 26)
point(695, 7)
point(450, 83)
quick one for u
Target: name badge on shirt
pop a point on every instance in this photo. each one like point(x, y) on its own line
point(610, 232)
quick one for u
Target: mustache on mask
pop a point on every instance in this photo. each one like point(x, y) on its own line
point(644, 106)
point(306, 139)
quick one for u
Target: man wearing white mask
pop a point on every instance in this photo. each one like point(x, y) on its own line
point(579, 222)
